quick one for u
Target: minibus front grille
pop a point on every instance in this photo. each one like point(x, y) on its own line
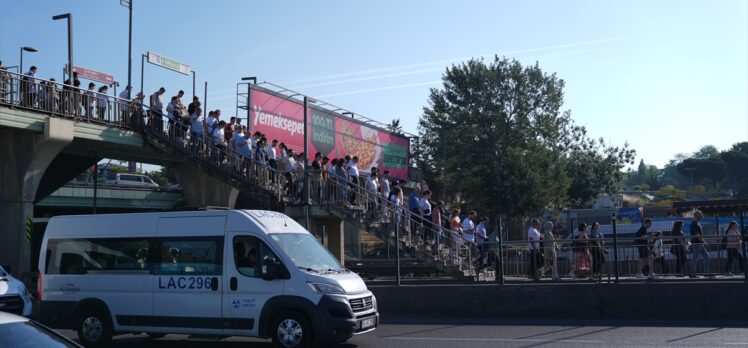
point(361, 304)
point(11, 304)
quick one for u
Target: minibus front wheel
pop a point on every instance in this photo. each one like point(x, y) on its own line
point(94, 328)
point(291, 330)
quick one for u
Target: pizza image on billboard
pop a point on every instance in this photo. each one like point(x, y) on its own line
point(360, 141)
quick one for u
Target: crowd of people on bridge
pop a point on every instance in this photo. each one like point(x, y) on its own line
point(71, 99)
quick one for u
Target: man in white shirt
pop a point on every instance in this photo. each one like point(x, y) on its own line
point(28, 87)
point(298, 168)
point(157, 110)
point(533, 239)
point(289, 167)
point(219, 141)
point(271, 154)
point(353, 173)
point(124, 108)
point(373, 183)
point(196, 130)
point(468, 227)
point(425, 206)
point(384, 183)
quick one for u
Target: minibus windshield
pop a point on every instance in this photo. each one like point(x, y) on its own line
point(306, 252)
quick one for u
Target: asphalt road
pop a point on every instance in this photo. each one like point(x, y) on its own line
point(416, 333)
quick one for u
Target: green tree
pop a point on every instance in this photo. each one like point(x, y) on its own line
point(670, 174)
point(710, 169)
point(736, 161)
point(394, 127)
point(706, 151)
point(496, 133)
point(595, 167)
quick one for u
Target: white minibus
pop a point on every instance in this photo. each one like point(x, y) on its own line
point(135, 180)
point(204, 273)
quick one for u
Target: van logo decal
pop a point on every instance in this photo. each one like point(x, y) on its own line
point(69, 287)
point(243, 303)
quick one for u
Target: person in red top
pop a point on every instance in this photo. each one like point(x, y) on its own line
point(228, 131)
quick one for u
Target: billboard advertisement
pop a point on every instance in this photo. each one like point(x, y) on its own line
point(331, 134)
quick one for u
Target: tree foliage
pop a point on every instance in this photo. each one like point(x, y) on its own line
point(496, 134)
point(395, 127)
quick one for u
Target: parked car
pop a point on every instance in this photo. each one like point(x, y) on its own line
point(14, 297)
point(124, 179)
point(17, 331)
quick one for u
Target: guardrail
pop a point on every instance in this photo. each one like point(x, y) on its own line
point(671, 259)
point(60, 100)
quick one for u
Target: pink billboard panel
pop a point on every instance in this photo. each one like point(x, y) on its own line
point(277, 118)
point(331, 134)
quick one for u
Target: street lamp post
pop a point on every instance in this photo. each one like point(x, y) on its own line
point(69, 17)
point(307, 100)
point(142, 69)
point(27, 49)
point(249, 90)
point(193, 84)
point(128, 4)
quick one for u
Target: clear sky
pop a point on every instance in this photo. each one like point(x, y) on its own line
point(666, 76)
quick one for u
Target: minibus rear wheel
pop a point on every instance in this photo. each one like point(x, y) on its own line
point(94, 328)
point(291, 330)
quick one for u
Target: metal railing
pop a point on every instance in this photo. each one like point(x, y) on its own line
point(672, 258)
point(60, 100)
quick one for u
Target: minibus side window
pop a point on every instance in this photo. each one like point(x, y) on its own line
point(248, 255)
point(190, 256)
point(79, 256)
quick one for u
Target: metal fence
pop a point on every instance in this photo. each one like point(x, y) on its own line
point(60, 100)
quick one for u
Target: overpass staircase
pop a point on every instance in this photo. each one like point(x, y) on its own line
point(269, 189)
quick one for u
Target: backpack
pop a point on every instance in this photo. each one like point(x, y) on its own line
point(723, 245)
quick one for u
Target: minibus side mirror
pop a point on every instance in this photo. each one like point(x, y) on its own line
point(271, 269)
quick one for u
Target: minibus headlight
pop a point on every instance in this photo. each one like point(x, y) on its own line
point(324, 288)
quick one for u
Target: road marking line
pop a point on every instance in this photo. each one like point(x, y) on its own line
point(492, 339)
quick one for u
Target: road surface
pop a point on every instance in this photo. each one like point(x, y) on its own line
point(411, 333)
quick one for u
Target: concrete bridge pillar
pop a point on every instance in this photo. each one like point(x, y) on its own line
point(24, 157)
point(202, 189)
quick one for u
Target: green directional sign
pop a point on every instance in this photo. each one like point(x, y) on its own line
point(168, 63)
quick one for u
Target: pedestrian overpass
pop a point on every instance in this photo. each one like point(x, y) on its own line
point(46, 143)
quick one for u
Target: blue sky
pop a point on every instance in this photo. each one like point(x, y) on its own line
point(666, 76)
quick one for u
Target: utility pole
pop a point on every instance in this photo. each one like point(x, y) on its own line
point(691, 170)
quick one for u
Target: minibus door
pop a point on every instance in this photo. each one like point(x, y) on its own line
point(245, 291)
point(188, 282)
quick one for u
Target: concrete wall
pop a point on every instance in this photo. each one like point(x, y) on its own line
point(25, 156)
point(656, 301)
point(202, 189)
